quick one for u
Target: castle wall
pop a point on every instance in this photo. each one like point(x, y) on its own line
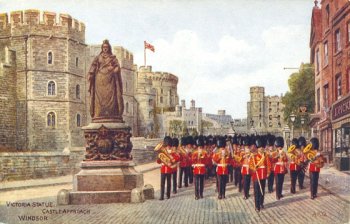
point(7, 97)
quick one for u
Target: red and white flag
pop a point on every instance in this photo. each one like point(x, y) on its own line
point(149, 46)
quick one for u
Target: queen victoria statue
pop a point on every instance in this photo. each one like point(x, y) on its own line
point(106, 100)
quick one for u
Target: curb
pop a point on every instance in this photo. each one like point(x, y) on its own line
point(65, 182)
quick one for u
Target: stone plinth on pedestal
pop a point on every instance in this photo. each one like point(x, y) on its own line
point(105, 182)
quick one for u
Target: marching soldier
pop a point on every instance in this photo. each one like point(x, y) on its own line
point(316, 163)
point(230, 166)
point(176, 155)
point(280, 168)
point(260, 166)
point(222, 159)
point(166, 167)
point(301, 173)
point(271, 151)
point(237, 163)
point(294, 167)
point(245, 168)
point(185, 162)
point(190, 146)
point(199, 159)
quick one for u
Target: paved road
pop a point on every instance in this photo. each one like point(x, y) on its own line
point(182, 208)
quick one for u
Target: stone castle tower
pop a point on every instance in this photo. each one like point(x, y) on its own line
point(156, 93)
point(265, 113)
point(44, 68)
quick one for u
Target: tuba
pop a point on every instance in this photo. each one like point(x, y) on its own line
point(164, 156)
point(291, 152)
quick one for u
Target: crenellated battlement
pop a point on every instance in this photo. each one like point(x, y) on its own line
point(164, 76)
point(36, 17)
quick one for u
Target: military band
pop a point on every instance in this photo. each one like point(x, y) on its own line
point(257, 159)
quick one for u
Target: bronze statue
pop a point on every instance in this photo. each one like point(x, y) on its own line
point(106, 87)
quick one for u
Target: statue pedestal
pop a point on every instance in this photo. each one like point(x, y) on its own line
point(107, 174)
point(105, 182)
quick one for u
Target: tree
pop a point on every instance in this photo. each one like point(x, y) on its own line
point(301, 93)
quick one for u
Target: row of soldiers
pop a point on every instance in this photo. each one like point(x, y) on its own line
point(259, 159)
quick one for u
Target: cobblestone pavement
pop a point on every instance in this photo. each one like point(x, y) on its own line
point(182, 208)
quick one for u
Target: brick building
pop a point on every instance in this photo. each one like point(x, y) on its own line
point(329, 43)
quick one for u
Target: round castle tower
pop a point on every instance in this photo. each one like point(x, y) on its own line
point(50, 77)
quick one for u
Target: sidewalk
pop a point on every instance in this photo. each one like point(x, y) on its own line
point(22, 184)
point(335, 182)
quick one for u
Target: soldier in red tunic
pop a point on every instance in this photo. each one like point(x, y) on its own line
point(185, 162)
point(315, 165)
point(280, 168)
point(176, 156)
point(237, 163)
point(245, 167)
point(294, 167)
point(199, 160)
point(260, 166)
point(271, 151)
point(222, 159)
point(303, 162)
point(166, 169)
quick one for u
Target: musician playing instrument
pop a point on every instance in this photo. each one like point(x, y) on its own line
point(168, 163)
point(176, 155)
point(280, 168)
point(185, 162)
point(222, 159)
point(245, 167)
point(315, 165)
point(199, 160)
point(294, 164)
point(260, 167)
point(303, 159)
point(271, 151)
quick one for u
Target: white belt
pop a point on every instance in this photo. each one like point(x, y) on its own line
point(200, 165)
point(280, 163)
point(222, 164)
point(245, 165)
point(261, 167)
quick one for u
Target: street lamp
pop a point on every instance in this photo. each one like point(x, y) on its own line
point(292, 118)
point(286, 131)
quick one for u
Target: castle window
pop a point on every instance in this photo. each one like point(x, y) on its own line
point(161, 91)
point(150, 102)
point(77, 91)
point(126, 86)
point(270, 124)
point(161, 99)
point(77, 62)
point(127, 107)
point(51, 119)
point(49, 58)
point(78, 120)
point(51, 88)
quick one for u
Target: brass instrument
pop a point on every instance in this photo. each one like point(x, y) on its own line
point(164, 156)
point(291, 149)
point(307, 148)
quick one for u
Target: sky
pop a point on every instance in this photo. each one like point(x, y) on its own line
point(218, 49)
